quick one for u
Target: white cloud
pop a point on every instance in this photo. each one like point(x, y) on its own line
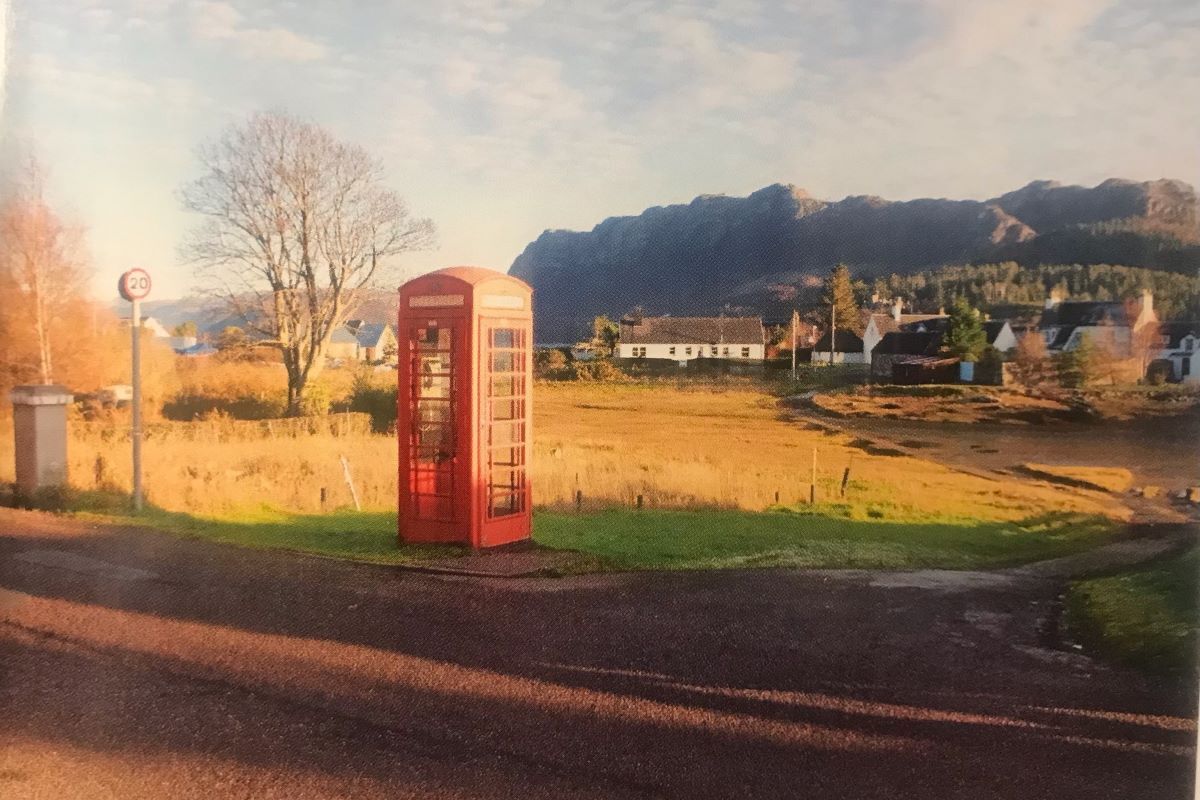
point(220, 21)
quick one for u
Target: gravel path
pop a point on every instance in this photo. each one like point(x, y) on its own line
point(140, 665)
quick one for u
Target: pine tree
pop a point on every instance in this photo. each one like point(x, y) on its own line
point(839, 295)
point(965, 336)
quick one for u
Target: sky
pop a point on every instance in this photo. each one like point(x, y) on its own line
point(500, 119)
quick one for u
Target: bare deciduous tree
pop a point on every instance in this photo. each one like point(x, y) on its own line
point(41, 260)
point(297, 224)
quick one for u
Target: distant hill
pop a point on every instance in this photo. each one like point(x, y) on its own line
point(717, 251)
point(211, 317)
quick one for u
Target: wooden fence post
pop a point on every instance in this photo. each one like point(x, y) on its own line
point(812, 488)
point(350, 483)
point(578, 499)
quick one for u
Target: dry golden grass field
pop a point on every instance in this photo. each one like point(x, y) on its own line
point(679, 447)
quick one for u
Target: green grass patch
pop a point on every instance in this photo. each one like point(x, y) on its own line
point(352, 535)
point(830, 536)
point(1147, 618)
point(726, 539)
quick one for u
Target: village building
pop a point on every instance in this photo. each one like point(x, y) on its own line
point(1178, 345)
point(1065, 324)
point(684, 339)
point(357, 340)
point(848, 348)
point(921, 345)
point(876, 325)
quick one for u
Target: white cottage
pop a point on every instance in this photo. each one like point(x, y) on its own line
point(684, 339)
point(1179, 345)
point(1064, 325)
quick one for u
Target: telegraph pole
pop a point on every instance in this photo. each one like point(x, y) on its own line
point(795, 317)
point(832, 330)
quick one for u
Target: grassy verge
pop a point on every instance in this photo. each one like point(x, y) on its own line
point(726, 539)
point(355, 536)
point(1147, 618)
point(829, 537)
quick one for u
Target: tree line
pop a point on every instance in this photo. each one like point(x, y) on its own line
point(1008, 286)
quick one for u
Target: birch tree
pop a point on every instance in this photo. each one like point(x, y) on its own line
point(296, 227)
point(41, 261)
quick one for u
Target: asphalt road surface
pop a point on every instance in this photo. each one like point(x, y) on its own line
point(135, 665)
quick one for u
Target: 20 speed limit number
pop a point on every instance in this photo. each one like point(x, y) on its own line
point(134, 285)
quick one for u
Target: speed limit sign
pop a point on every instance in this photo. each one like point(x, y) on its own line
point(134, 285)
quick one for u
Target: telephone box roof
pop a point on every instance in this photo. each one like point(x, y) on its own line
point(471, 275)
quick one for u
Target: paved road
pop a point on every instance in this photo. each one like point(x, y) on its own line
point(139, 665)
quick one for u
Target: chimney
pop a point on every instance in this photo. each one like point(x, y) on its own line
point(1052, 300)
point(897, 307)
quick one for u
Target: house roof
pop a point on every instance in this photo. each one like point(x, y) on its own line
point(912, 343)
point(343, 336)
point(202, 349)
point(370, 333)
point(692, 330)
point(1176, 332)
point(993, 328)
point(886, 323)
point(847, 342)
point(1090, 313)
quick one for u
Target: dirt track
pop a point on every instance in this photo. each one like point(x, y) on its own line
point(139, 665)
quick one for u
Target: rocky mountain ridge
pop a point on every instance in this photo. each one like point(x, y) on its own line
point(701, 256)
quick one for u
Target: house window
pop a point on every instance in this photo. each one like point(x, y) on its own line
point(745, 352)
point(639, 352)
point(1189, 344)
point(725, 352)
point(714, 349)
point(688, 351)
point(671, 351)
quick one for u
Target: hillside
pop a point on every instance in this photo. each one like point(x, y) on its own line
point(718, 250)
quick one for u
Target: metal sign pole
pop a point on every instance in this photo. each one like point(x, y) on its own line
point(134, 286)
point(136, 431)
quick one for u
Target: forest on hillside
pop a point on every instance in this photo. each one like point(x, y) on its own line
point(1009, 285)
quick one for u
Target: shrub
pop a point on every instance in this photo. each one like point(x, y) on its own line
point(317, 400)
point(1159, 372)
point(599, 370)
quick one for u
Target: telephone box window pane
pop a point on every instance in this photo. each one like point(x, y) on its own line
point(433, 438)
point(434, 387)
point(508, 362)
point(507, 386)
point(432, 339)
point(505, 505)
point(504, 410)
point(503, 362)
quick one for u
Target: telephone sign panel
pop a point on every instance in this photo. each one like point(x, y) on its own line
point(464, 414)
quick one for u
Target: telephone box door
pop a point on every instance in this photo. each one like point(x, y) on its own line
point(437, 463)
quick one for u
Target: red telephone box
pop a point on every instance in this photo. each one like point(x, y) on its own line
point(464, 414)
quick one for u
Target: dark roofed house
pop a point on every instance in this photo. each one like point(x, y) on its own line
point(847, 349)
point(878, 325)
point(903, 346)
point(685, 338)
